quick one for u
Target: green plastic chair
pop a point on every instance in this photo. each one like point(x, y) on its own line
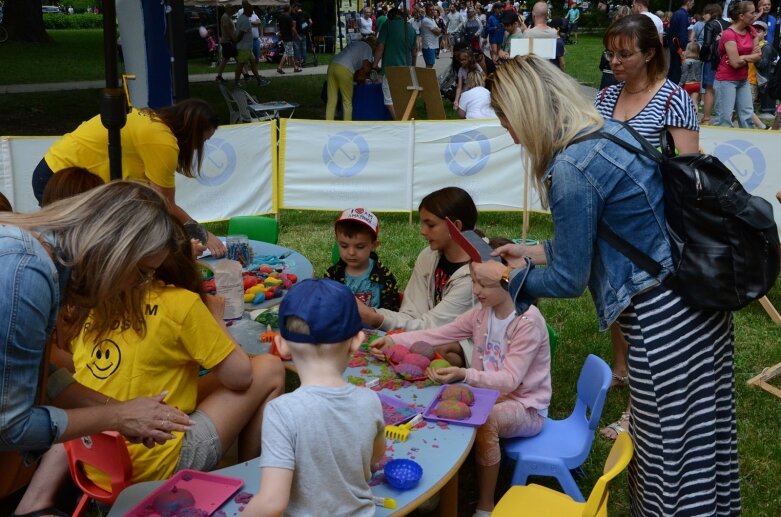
point(256, 227)
point(335, 253)
point(553, 338)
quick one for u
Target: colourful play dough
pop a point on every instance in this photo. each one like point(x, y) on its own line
point(396, 353)
point(422, 348)
point(409, 371)
point(418, 360)
point(174, 500)
point(453, 409)
point(436, 364)
point(459, 393)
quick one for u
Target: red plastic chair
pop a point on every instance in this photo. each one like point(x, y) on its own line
point(106, 452)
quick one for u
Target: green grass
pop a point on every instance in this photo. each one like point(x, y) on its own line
point(75, 56)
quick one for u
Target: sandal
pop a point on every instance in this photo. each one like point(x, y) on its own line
point(611, 431)
point(619, 381)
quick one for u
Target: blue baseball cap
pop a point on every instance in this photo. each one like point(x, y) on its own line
point(327, 306)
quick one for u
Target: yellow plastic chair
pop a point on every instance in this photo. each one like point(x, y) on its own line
point(539, 500)
point(256, 227)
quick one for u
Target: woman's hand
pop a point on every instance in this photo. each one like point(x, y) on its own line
point(380, 346)
point(149, 419)
point(514, 254)
point(198, 248)
point(447, 375)
point(488, 274)
point(216, 246)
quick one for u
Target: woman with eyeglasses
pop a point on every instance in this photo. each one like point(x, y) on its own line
point(681, 371)
point(79, 251)
point(737, 48)
point(653, 105)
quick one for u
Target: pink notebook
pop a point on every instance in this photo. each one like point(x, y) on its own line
point(188, 492)
point(474, 245)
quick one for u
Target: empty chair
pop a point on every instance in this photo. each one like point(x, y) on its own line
point(233, 106)
point(106, 452)
point(563, 445)
point(256, 227)
point(539, 500)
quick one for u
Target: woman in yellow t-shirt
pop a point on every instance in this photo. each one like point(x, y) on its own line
point(155, 145)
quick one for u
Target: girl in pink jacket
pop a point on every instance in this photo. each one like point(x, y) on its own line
point(512, 355)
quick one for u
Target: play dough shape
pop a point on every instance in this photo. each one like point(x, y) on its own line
point(453, 410)
point(418, 360)
point(422, 348)
point(459, 393)
point(409, 371)
point(396, 353)
point(171, 501)
point(436, 364)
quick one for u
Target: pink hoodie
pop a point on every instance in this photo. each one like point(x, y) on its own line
point(525, 372)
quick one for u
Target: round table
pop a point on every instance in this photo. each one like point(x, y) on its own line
point(439, 450)
point(246, 330)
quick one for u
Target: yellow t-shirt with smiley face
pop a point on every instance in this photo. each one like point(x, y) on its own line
point(181, 336)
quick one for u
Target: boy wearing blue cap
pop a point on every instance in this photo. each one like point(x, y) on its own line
point(320, 441)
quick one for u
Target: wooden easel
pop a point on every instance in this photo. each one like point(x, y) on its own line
point(762, 380)
point(407, 84)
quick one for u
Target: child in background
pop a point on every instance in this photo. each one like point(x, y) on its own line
point(359, 268)
point(513, 28)
point(320, 441)
point(691, 72)
point(439, 289)
point(511, 354)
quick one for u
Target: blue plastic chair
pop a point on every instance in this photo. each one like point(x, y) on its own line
point(563, 445)
point(256, 227)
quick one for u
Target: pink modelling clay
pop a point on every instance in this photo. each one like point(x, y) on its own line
point(459, 393)
point(409, 371)
point(422, 348)
point(453, 410)
point(416, 359)
point(396, 353)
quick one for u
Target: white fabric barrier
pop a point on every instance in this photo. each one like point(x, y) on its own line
point(382, 166)
point(236, 177)
point(337, 165)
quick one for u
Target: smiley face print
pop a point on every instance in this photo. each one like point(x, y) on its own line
point(105, 359)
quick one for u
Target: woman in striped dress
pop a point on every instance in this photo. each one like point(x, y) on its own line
point(651, 104)
point(681, 359)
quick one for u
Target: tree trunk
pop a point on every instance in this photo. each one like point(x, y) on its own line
point(23, 19)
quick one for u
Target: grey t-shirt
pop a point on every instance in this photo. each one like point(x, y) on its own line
point(244, 25)
point(430, 40)
point(326, 436)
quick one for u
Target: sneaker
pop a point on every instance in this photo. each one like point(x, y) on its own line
point(220, 79)
point(280, 71)
point(298, 70)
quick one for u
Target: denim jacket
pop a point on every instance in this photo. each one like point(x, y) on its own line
point(31, 286)
point(592, 182)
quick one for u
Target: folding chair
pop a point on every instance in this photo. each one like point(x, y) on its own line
point(106, 452)
point(233, 106)
point(563, 445)
point(539, 500)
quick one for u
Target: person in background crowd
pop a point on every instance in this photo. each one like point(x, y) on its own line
point(737, 49)
point(472, 29)
point(395, 47)
point(678, 36)
point(429, 33)
point(366, 23)
point(495, 30)
point(714, 28)
point(608, 79)
point(641, 7)
point(227, 40)
point(475, 101)
point(355, 61)
point(764, 7)
point(573, 16)
point(303, 28)
point(244, 43)
point(454, 24)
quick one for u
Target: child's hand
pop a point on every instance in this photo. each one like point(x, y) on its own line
point(447, 375)
point(379, 346)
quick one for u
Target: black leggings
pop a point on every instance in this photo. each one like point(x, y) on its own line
point(41, 176)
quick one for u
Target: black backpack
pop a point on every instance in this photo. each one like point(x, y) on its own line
point(773, 86)
point(724, 241)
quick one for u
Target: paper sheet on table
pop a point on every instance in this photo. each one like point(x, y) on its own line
point(543, 47)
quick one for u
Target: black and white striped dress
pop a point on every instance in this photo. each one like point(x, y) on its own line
point(681, 374)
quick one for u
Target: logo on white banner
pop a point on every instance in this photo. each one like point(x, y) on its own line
point(346, 154)
point(745, 160)
point(467, 153)
point(219, 162)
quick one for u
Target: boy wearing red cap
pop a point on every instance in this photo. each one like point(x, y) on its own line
point(359, 268)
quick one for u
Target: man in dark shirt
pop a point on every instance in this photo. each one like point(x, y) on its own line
point(303, 26)
point(678, 37)
point(288, 33)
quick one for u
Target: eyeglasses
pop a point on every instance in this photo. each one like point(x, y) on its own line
point(621, 56)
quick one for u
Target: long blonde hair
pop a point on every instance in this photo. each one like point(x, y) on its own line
point(545, 108)
point(101, 236)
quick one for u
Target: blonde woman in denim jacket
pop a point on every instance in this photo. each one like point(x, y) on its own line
point(681, 375)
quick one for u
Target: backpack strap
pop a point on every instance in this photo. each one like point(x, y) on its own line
point(645, 149)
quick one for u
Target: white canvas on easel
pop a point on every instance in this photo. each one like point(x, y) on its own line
point(543, 47)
